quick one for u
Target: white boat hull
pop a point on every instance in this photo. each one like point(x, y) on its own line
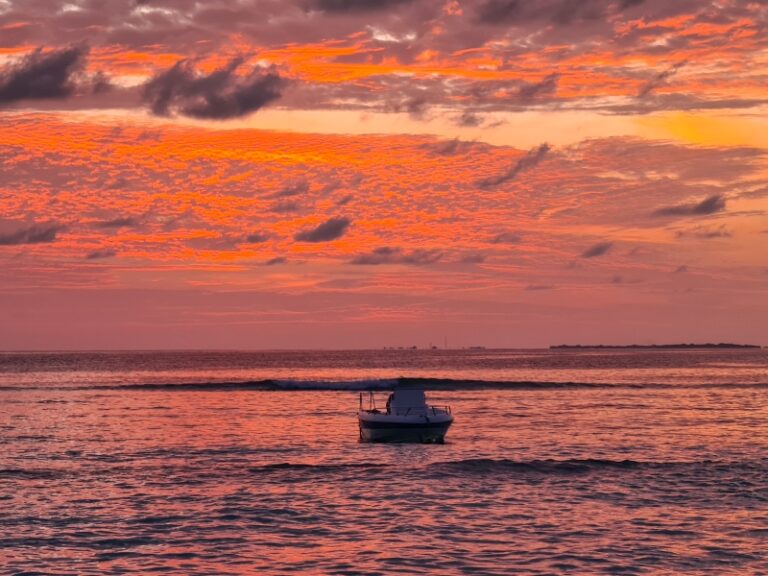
point(388, 428)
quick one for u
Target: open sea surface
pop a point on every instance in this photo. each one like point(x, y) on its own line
point(558, 462)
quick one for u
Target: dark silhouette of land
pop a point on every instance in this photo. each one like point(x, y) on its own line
point(720, 345)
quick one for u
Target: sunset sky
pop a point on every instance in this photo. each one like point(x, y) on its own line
point(367, 173)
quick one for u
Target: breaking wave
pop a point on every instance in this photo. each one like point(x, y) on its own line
point(484, 466)
point(365, 385)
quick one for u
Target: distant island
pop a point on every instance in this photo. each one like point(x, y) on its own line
point(651, 346)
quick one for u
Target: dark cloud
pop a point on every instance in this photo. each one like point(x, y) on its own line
point(597, 250)
point(506, 238)
point(757, 192)
point(374, 32)
point(536, 287)
point(531, 159)
point(293, 189)
point(617, 279)
point(659, 80)
point(220, 242)
point(546, 87)
point(36, 234)
point(107, 253)
point(469, 119)
point(687, 102)
point(118, 223)
point(340, 283)
point(681, 269)
point(355, 5)
point(710, 205)
point(286, 207)
point(220, 95)
point(329, 187)
point(473, 259)
point(325, 232)
point(415, 106)
point(344, 200)
point(115, 183)
point(257, 237)
point(382, 255)
point(389, 255)
point(499, 11)
point(705, 233)
point(560, 12)
point(100, 83)
point(489, 95)
point(275, 261)
point(41, 74)
point(452, 147)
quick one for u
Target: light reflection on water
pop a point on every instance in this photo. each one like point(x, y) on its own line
point(605, 480)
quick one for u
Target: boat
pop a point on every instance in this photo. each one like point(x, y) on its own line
point(406, 418)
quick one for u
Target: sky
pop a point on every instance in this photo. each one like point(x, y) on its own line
point(365, 173)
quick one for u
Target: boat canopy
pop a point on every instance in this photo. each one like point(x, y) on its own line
point(405, 400)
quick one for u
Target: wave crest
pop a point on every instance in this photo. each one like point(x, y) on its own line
point(375, 384)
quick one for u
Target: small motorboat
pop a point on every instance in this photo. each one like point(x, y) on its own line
point(407, 418)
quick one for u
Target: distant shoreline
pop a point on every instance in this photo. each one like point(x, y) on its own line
point(651, 346)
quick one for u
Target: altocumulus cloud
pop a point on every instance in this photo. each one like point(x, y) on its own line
point(325, 232)
point(36, 234)
point(220, 95)
point(40, 75)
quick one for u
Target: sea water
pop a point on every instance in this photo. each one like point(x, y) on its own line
point(565, 461)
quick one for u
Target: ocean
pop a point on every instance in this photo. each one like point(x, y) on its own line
point(558, 462)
